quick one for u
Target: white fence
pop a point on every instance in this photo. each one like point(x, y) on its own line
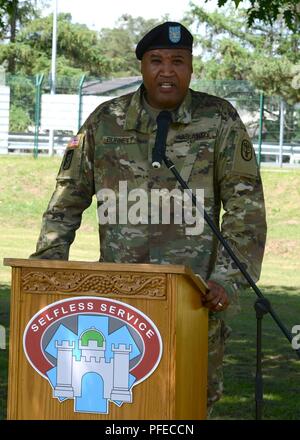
point(60, 112)
point(24, 144)
point(273, 153)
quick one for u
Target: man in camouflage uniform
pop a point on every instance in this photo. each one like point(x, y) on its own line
point(210, 148)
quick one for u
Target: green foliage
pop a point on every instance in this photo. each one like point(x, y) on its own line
point(119, 43)
point(268, 56)
point(118, 46)
point(19, 119)
point(78, 48)
point(275, 76)
point(22, 93)
point(233, 61)
point(268, 11)
point(13, 12)
point(97, 54)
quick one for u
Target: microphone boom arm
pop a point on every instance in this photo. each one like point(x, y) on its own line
point(170, 165)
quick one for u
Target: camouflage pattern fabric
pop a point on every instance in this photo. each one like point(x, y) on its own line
point(210, 147)
point(218, 333)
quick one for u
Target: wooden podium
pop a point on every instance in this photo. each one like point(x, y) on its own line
point(168, 296)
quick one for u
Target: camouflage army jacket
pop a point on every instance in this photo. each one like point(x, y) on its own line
point(210, 147)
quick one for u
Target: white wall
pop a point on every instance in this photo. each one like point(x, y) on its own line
point(60, 112)
point(4, 118)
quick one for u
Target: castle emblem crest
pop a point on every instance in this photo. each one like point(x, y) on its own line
point(92, 350)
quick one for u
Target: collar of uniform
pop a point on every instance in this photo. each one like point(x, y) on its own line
point(183, 115)
point(137, 117)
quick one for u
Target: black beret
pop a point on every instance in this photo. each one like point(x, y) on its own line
point(168, 35)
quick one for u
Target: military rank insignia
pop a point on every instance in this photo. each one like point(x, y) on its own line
point(174, 34)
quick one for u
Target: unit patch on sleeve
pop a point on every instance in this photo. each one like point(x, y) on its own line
point(246, 150)
point(68, 159)
point(71, 163)
point(244, 160)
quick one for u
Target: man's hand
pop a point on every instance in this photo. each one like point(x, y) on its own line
point(216, 299)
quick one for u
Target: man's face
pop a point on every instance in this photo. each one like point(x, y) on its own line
point(166, 75)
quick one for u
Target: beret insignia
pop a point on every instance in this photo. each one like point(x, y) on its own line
point(174, 34)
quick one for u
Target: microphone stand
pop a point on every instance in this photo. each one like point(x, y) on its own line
point(262, 305)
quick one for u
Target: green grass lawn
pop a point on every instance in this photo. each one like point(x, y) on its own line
point(26, 185)
point(281, 367)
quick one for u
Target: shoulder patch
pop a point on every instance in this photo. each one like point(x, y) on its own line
point(75, 141)
point(68, 159)
point(71, 163)
point(246, 150)
point(244, 160)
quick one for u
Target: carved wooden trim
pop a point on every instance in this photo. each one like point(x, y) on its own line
point(109, 283)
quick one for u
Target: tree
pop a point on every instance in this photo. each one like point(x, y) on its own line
point(13, 14)
point(119, 43)
point(22, 96)
point(269, 11)
point(78, 49)
point(266, 55)
point(262, 57)
point(19, 119)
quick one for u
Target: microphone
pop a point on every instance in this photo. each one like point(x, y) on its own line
point(163, 121)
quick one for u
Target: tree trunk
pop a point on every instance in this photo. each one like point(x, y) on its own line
point(13, 31)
